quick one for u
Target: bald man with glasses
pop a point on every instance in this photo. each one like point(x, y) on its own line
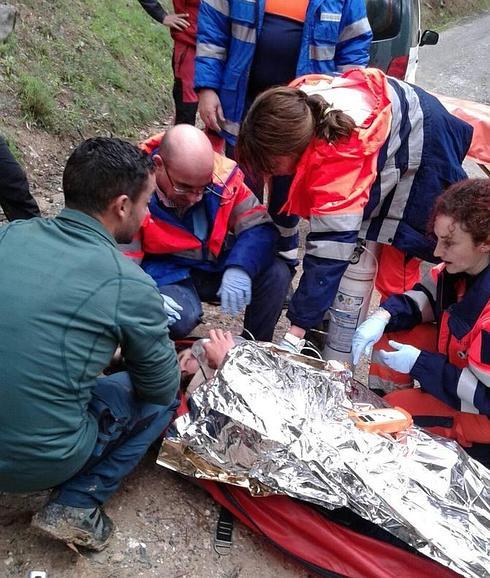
point(207, 238)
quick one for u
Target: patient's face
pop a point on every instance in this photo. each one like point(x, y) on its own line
point(188, 363)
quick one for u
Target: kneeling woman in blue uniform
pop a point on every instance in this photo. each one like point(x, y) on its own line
point(453, 370)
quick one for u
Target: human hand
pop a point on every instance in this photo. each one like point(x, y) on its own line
point(171, 308)
point(176, 21)
point(210, 109)
point(403, 359)
point(292, 343)
point(235, 291)
point(368, 333)
point(220, 342)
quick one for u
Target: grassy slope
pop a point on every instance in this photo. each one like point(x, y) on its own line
point(85, 65)
point(437, 14)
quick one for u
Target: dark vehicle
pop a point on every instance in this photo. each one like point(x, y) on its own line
point(397, 36)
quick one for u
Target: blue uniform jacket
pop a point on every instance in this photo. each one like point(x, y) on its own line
point(336, 36)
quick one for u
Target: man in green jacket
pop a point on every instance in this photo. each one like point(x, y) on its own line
point(68, 299)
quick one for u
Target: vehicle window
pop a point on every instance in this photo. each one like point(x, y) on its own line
point(384, 17)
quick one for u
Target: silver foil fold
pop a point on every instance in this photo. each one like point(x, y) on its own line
point(275, 422)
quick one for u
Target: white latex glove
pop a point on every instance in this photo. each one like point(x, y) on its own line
point(291, 343)
point(171, 308)
point(403, 359)
point(368, 333)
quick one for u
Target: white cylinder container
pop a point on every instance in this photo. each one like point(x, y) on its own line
point(350, 306)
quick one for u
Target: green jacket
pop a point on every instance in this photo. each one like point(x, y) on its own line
point(68, 297)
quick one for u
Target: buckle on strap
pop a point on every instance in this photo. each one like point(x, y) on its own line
point(224, 531)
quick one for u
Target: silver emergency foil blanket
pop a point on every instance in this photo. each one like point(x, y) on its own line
point(275, 422)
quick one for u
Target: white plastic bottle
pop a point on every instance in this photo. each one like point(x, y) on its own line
point(350, 306)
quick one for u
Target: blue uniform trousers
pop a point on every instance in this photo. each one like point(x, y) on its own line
point(269, 290)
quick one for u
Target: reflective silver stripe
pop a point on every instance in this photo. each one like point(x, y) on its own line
point(335, 223)
point(287, 231)
point(423, 304)
point(482, 376)
point(355, 29)
point(291, 254)
point(330, 17)
point(325, 52)
point(404, 186)
point(222, 6)
point(211, 51)
point(243, 33)
point(244, 205)
point(231, 127)
point(390, 175)
point(330, 249)
point(429, 283)
point(467, 383)
point(346, 67)
point(252, 220)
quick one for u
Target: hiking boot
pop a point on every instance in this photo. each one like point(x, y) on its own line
point(87, 527)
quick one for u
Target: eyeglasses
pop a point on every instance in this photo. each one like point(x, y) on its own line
point(226, 194)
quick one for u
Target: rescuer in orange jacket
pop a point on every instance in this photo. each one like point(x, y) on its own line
point(207, 237)
point(450, 359)
point(369, 155)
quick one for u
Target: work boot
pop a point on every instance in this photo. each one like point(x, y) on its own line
point(87, 527)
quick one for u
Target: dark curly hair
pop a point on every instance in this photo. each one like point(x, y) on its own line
point(102, 168)
point(467, 203)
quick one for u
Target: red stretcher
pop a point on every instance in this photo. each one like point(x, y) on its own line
point(478, 115)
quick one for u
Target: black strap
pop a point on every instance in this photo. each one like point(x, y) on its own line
point(433, 421)
point(224, 531)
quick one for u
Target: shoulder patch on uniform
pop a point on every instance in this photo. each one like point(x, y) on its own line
point(485, 347)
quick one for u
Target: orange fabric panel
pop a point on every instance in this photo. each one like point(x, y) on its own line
point(395, 275)
point(467, 428)
point(337, 177)
point(478, 115)
point(162, 238)
point(152, 143)
point(294, 9)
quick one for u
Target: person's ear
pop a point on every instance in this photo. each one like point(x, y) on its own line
point(485, 247)
point(157, 161)
point(120, 206)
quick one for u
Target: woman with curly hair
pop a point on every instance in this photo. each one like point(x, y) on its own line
point(442, 327)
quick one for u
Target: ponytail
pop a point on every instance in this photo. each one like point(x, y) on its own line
point(331, 124)
point(282, 121)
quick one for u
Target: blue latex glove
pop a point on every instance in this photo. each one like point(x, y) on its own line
point(235, 291)
point(368, 333)
point(171, 308)
point(403, 359)
point(292, 343)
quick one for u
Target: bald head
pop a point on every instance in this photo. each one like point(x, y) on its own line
point(184, 165)
point(187, 151)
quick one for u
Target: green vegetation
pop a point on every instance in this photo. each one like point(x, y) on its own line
point(86, 65)
point(437, 14)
